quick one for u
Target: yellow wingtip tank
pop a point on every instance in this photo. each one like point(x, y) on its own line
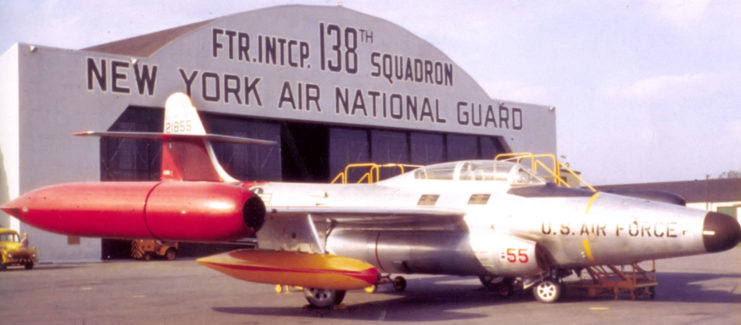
point(294, 268)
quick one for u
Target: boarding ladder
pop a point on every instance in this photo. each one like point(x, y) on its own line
point(602, 279)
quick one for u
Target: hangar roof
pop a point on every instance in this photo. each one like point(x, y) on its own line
point(713, 190)
point(146, 45)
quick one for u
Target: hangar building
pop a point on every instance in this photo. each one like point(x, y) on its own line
point(333, 86)
point(721, 195)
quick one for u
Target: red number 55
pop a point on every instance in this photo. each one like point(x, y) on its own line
point(515, 255)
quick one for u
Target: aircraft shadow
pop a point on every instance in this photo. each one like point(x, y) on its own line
point(688, 287)
point(426, 299)
point(432, 299)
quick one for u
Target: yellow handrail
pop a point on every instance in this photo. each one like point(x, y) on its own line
point(364, 177)
point(341, 176)
point(374, 172)
point(377, 168)
point(555, 172)
point(578, 177)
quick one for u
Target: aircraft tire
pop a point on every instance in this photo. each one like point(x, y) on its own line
point(501, 285)
point(490, 281)
point(400, 284)
point(323, 298)
point(547, 291)
point(504, 289)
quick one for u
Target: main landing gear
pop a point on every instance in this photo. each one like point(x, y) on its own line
point(324, 298)
point(504, 286)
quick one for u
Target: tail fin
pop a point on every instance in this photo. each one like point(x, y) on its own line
point(187, 154)
point(189, 160)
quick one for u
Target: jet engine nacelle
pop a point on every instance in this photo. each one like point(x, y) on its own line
point(507, 255)
point(431, 252)
point(203, 211)
point(189, 211)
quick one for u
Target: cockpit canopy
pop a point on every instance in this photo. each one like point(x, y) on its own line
point(478, 170)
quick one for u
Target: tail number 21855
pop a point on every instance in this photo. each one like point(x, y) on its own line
point(181, 126)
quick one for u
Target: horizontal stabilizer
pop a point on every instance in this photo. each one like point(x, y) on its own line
point(294, 268)
point(177, 137)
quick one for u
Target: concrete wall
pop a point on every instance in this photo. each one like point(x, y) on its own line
point(9, 133)
point(51, 108)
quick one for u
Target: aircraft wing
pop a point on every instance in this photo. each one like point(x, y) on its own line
point(304, 228)
point(374, 217)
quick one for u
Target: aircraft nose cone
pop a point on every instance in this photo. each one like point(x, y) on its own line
point(720, 232)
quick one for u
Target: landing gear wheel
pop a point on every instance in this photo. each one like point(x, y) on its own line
point(399, 284)
point(324, 298)
point(504, 289)
point(170, 254)
point(490, 281)
point(498, 284)
point(547, 291)
point(28, 265)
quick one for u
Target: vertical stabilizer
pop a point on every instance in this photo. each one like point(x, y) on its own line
point(192, 158)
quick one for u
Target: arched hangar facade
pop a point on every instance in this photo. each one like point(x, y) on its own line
point(333, 86)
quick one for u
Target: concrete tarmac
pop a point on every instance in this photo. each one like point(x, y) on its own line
point(699, 289)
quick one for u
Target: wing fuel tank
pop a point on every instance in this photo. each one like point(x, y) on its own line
point(294, 268)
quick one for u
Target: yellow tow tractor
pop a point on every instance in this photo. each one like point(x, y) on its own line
point(13, 251)
point(147, 248)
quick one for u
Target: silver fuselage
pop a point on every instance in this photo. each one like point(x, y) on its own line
point(504, 228)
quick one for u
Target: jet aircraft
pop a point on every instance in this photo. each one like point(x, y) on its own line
point(487, 218)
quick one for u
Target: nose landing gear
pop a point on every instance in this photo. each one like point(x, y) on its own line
point(548, 290)
point(547, 287)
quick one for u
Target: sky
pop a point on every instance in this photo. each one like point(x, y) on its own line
point(645, 91)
